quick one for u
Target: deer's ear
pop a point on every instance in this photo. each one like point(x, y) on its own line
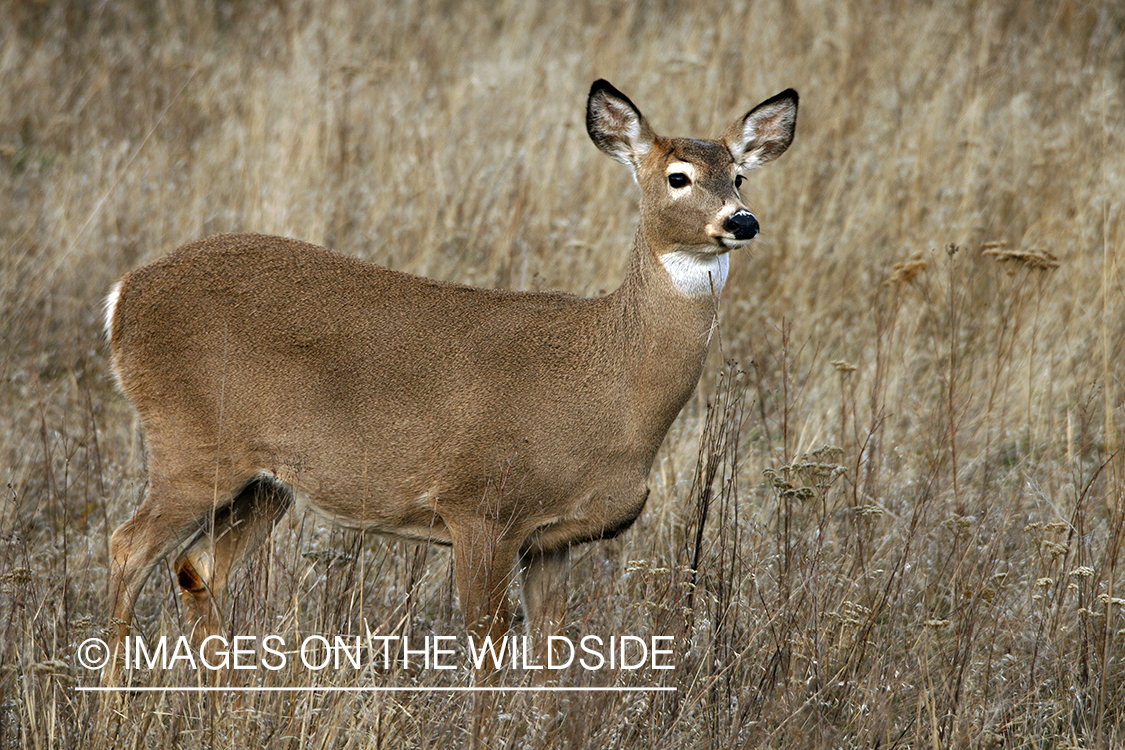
point(764, 132)
point(616, 126)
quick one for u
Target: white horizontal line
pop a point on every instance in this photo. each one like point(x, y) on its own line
point(374, 689)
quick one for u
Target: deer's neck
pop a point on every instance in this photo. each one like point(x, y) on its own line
point(661, 333)
point(672, 298)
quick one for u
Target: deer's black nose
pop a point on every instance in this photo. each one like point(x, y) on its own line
point(742, 225)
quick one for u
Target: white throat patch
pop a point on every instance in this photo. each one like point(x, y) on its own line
point(697, 275)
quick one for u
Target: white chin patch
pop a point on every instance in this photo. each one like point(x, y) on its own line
point(697, 274)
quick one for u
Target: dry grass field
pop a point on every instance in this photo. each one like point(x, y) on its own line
point(894, 515)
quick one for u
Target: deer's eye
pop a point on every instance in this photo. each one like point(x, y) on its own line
point(738, 181)
point(678, 180)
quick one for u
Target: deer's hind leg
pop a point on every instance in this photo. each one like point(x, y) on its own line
point(543, 592)
point(544, 577)
point(172, 509)
point(236, 530)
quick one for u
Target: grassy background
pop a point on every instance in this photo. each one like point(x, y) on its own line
point(937, 297)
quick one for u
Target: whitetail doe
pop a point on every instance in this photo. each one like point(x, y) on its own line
point(511, 425)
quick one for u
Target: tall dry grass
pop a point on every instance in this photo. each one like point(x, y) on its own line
point(892, 518)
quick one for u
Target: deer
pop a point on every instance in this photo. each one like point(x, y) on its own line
point(511, 425)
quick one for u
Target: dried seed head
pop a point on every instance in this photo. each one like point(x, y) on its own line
point(904, 273)
point(1052, 549)
point(1036, 257)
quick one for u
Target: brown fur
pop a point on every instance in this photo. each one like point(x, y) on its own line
point(511, 425)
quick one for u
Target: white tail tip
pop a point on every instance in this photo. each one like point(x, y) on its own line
point(110, 307)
